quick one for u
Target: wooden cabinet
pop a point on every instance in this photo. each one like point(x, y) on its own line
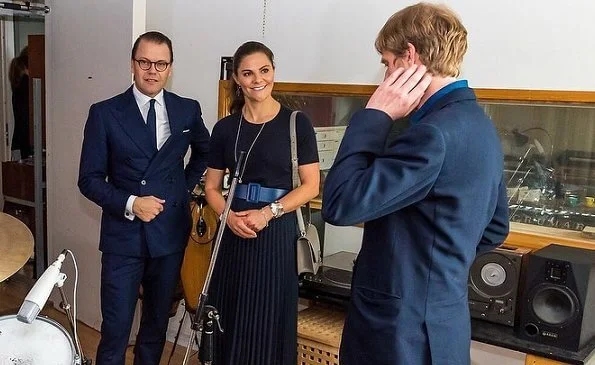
point(17, 180)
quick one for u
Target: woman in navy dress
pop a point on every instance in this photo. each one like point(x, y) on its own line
point(255, 284)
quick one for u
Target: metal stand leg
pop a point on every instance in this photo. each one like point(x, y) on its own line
point(190, 340)
point(206, 315)
point(80, 357)
point(177, 337)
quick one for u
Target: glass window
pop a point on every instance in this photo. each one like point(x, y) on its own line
point(549, 162)
point(549, 152)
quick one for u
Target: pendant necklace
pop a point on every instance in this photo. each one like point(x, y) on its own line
point(235, 149)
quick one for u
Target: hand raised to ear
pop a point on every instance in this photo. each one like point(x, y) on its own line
point(401, 92)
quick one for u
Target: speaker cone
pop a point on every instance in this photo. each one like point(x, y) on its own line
point(554, 305)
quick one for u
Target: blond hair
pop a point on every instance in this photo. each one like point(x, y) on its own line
point(434, 30)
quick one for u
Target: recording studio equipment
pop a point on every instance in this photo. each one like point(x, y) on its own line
point(535, 144)
point(41, 342)
point(520, 139)
point(494, 284)
point(206, 316)
point(204, 220)
point(197, 255)
point(30, 330)
point(39, 294)
point(332, 282)
point(558, 304)
point(226, 68)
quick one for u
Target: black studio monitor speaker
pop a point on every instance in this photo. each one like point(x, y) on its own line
point(493, 284)
point(557, 307)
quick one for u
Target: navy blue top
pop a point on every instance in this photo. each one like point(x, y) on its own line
point(269, 162)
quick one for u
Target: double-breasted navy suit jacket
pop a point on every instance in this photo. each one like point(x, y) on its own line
point(431, 199)
point(118, 159)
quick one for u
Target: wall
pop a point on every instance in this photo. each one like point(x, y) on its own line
point(201, 35)
point(530, 47)
point(88, 59)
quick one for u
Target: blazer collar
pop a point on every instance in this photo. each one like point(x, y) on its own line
point(456, 91)
point(133, 124)
point(128, 115)
point(174, 112)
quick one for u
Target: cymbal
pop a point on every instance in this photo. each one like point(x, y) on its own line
point(16, 245)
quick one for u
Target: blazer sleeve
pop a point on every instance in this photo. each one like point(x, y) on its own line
point(369, 180)
point(498, 228)
point(93, 181)
point(199, 149)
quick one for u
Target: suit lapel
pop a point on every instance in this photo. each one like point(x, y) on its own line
point(176, 120)
point(173, 113)
point(133, 124)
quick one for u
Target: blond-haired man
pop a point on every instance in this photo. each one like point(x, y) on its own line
point(431, 199)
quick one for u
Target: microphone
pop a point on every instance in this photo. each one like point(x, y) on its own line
point(539, 147)
point(520, 138)
point(39, 294)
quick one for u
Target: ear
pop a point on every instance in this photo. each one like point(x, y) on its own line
point(235, 78)
point(132, 66)
point(412, 57)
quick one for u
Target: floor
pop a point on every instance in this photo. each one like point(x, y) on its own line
point(14, 290)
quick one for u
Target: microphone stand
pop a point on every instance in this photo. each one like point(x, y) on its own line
point(520, 163)
point(206, 315)
point(79, 357)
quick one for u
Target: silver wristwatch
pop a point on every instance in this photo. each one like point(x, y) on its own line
point(276, 209)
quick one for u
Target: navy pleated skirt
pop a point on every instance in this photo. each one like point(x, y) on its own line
point(255, 289)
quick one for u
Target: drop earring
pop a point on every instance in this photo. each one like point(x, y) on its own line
point(239, 91)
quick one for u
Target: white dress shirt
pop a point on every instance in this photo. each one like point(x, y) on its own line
point(162, 126)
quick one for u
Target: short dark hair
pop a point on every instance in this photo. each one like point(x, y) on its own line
point(155, 37)
point(246, 49)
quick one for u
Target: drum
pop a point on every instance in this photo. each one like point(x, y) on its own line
point(43, 342)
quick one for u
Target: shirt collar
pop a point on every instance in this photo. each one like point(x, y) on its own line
point(419, 113)
point(142, 99)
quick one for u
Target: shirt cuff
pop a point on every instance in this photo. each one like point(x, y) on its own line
point(128, 214)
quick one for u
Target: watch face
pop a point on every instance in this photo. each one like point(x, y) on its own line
point(276, 209)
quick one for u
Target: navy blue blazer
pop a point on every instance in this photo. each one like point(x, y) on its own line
point(118, 159)
point(431, 199)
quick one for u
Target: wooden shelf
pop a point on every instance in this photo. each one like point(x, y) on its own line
point(535, 237)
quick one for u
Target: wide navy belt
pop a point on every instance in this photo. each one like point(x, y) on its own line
point(254, 193)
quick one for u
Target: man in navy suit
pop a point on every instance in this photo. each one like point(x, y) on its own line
point(431, 199)
point(132, 166)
